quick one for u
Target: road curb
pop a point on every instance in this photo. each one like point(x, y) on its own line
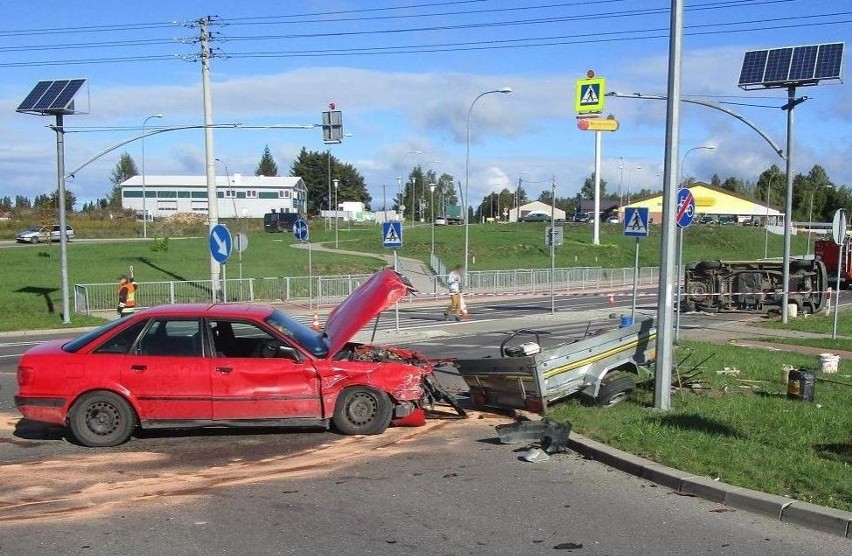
point(788, 510)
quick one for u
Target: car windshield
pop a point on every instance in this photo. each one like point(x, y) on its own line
point(74, 345)
point(33, 229)
point(317, 344)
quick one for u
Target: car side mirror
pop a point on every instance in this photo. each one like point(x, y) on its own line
point(289, 352)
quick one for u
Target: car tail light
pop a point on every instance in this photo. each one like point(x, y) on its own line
point(25, 375)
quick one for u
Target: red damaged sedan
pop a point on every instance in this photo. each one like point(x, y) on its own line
point(178, 366)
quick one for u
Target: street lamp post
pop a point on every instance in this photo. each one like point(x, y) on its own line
point(401, 202)
point(504, 90)
point(336, 215)
point(432, 207)
point(144, 195)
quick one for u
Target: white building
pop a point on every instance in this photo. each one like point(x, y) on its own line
point(237, 197)
point(535, 206)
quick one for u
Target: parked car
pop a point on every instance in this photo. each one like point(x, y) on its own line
point(38, 234)
point(612, 220)
point(440, 221)
point(580, 218)
point(200, 365)
point(536, 217)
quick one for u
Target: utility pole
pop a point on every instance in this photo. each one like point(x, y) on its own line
point(63, 237)
point(665, 297)
point(210, 158)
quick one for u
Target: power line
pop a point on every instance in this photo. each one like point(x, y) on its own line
point(513, 23)
point(464, 46)
point(267, 20)
point(360, 10)
point(555, 19)
point(121, 44)
point(89, 29)
point(539, 41)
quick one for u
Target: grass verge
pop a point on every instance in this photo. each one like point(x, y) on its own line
point(755, 439)
point(29, 274)
point(843, 344)
point(817, 324)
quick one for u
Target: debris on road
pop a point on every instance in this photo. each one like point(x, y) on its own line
point(550, 435)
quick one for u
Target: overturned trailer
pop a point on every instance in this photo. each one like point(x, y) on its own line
point(527, 376)
point(758, 286)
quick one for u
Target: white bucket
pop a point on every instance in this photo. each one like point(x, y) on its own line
point(828, 362)
point(792, 310)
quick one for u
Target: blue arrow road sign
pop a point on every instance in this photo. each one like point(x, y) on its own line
point(636, 222)
point(685, 207)
point(221, 243)
point(392, 235)
point(300, 230)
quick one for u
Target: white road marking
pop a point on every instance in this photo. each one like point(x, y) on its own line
point(18, 344)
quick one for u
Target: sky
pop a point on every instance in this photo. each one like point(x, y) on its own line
point(404, 74)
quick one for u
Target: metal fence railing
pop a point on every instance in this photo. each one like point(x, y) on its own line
point(325, 291)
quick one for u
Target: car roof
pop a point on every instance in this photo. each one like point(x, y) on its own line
point(212, 310)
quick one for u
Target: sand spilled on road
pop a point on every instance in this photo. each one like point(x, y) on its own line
point(82, 486)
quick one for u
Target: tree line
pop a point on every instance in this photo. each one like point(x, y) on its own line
point(815, 196)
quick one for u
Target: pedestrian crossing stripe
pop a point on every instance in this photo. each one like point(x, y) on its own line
point(590, 96)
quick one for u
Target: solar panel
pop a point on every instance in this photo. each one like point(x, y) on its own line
point(754, 64)
point(34, 95)
point(829, 61)
point(67, 94)
point(791, 66)
point(52, 97)
point(803, 64)
point(778, 65)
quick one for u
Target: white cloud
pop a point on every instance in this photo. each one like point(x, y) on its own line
point(394, 113)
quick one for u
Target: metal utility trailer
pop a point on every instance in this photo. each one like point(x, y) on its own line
point(530, 377)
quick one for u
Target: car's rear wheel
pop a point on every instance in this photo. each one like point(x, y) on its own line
point(362, 410)
point(100, 419)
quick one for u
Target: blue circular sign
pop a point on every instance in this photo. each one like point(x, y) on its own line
point(685, 207)
point(300, 230)
point(221, 243)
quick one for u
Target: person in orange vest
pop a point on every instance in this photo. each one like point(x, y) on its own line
point(126, 295)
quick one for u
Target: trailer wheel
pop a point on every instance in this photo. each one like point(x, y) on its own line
point(615, 390)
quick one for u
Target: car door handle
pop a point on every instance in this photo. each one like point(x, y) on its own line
point(139, 368)
point(224, 370)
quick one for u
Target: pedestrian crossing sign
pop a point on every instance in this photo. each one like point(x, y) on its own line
point(589, 98)
point(636, 222)
point(392, 235)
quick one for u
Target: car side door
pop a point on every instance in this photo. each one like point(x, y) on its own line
point(258, 375)
point(168, 371)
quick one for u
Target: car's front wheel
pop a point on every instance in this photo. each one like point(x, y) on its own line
point(362, 410)
point(34, 239)
point(100, 419)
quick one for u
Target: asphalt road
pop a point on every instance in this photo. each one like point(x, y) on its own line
point(444, 489)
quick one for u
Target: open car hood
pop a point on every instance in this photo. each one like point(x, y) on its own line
point(380, 291)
